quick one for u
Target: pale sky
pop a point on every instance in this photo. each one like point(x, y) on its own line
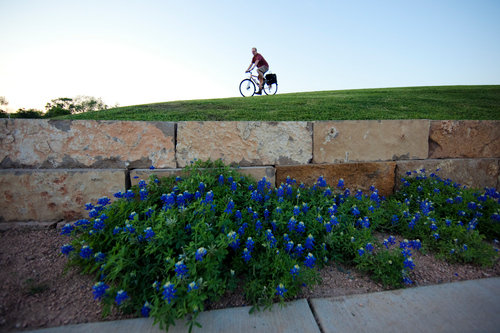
point(140, 52)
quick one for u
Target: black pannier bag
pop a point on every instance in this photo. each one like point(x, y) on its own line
point(271, 79)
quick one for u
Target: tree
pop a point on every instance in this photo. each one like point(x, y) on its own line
point(3, 101)
point(64, 105)
point(88, 103)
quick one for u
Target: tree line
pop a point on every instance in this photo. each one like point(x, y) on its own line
point(57, 107)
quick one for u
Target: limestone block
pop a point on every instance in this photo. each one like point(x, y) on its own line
point(473, 173)
point(57, 194)
point(256, 172)
point(54, 144)
point(245, 143)
point(464, 139)
point(357, 176)
point(370, 140)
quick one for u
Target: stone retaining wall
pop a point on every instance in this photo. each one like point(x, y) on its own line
point(50, 168)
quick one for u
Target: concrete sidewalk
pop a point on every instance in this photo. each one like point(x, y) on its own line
point(468, 306)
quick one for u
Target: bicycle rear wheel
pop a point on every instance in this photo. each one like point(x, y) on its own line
point(247, 88)
point(270, 89)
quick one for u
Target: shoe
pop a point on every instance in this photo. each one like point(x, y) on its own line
point(259, 92)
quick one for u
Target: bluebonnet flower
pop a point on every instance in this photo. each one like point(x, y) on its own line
point(296, 210)
point(355, 211)
point(151, 168)
point(121, 297)
point(395, 219)
point(452, 251)
point(149, 212)
point(266, 214)
point(221, 180)
point(310, 242)
point(406, 252)
point(464, 247)
point(99, 290)
point(149, 233)
point(247, 255)
point(201, 187)
point(230, 207)
point(416, 244)
point(408, 263)
point(299, 250)
point(332, 209)
point(200, 253)
point(274, 225)
point(169, 292)
point(66, 249)
point(449, 200)
point(365, 222)
point(333, 220)
point(286, 238)
point(156, 285)
point(146, 308)
point(289, 246)
point(353, 239)
point(295, 271)
point(129, 228)
point(129, 195)
point(407, 280)
point(83, 222)
point(301, 227)
point(319, 218)
point(98, 225)
point(361, 251)
point(255, 215)
point(321, 182)
point(67, 229)
point(93, 213)
point(142, 184)
point(235, 243)
point(310, 260)
point(241, 230)
point(328, 227)
point(116, 230)
point(99, 256)
point(448, 222)
point(132, 216)
point(369, 247)
point(327, 192)
point(249, 244)
point(86, 252)
point(280, 290)
point(89, 206)
point(436, 236)
point(103, 201)
point(291, 224)
point(181, 269)
point(192, 286)
point(433, 227)
point(341, 183)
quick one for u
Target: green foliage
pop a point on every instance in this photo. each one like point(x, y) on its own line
point(436, 103)
point(56, 112)
point(449, 219)
point(31, 113)
point(168, 246)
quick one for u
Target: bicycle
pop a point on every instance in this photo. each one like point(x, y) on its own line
point(249, 86)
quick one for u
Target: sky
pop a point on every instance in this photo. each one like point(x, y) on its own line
point(139, 52)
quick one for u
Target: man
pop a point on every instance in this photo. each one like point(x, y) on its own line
point(262, 67)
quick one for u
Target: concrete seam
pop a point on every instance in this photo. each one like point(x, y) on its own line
point(175, 146)
point(314, 315)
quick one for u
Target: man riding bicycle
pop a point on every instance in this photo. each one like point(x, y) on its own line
point(262, 67)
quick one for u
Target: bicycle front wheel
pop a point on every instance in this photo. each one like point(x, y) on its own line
point(247, 88)
point(270, 89)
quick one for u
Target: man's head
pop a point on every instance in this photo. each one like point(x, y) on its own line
point(254, 50)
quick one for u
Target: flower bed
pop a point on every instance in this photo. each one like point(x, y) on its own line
point(169, 245)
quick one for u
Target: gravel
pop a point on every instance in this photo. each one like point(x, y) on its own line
point(39, 291)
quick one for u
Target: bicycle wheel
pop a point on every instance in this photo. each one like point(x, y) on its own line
point(247, 88)
point(270, 89)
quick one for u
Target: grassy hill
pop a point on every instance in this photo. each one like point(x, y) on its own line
point(437, 103)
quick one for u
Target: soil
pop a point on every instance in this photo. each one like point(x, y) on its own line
point(37, 291)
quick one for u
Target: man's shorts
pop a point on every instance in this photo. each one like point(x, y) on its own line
point(262, 70)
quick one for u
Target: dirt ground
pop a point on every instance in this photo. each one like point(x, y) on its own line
point(37, 292)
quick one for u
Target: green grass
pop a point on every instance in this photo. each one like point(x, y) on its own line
point(436, 103)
